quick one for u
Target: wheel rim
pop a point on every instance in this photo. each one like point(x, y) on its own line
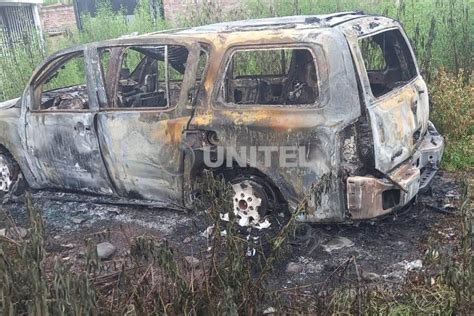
point(5, 175)
point(249, 204)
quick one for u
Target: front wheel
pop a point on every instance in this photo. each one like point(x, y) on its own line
point(10, 175)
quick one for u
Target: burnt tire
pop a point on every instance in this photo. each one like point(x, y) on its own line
point(256, 203)
point(11, 178)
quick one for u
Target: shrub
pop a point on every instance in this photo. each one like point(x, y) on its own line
point(452, 112)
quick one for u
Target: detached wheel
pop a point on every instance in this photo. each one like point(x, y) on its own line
point(9, 175)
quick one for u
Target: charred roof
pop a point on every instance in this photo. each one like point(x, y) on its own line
point(324, 20)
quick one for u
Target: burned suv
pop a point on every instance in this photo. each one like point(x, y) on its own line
point(277, 106)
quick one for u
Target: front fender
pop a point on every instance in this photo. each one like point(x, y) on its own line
point(11, 141)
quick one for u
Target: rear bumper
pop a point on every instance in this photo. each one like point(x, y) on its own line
point(369, 197)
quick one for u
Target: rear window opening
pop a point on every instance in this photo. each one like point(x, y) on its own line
point(271, 77)
point(388, 61)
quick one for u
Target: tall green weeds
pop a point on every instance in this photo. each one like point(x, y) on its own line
point(452, 110)
point(440, 31)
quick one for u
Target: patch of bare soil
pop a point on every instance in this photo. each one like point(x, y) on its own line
point(383, 251)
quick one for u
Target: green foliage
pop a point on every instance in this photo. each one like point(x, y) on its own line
point(19, 61)
point(17, 65)
point(71, 74)
point(440, 31)
point(452, 104)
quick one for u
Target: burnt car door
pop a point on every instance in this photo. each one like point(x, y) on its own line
point(398, 105)
point(149, 92)
point(62, 145)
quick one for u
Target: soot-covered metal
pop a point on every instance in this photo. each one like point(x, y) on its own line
point(343, 90)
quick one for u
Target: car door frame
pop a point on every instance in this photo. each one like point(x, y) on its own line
point(404, 109)
point(92, 176)
point(126, 183)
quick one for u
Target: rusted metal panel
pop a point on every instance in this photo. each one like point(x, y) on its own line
point(317, 129)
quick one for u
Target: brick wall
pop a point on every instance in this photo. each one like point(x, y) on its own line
point(57, 19)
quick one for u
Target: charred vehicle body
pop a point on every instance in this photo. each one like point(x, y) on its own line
point(143, 116)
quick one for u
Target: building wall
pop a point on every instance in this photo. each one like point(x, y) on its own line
point(57, 19)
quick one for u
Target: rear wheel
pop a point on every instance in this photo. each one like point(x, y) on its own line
point(250, 203)
point(255, 202)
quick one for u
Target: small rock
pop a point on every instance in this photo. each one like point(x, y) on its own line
point(370, 276)
point(412, 265)
point(294, 267)
point(270, 310)
point(187, 240)
point(105, 250)
point(57, 237)
point(330, 266)
point(191, 261)
point(338, 243)
point(3, 232)
point(78, 220)
point(115, 211)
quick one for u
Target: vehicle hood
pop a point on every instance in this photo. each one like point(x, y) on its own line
point(8, 104)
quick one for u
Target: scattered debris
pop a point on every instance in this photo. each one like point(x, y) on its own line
point(338, 243)
point(294, 267)
point(251, 252)
point(310, 265)
point(208, 232)
point(105, 250)
point(269, 310)
point(78, 220)
point(187, 240)
point(263, 225)
point(370, 276)
point(3, 232)
point(402, 268)
point(191, 261)
point(412, 265)
point(443, 210)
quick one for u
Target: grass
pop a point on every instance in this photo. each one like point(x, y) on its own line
point(452, 106)
point(154, 278)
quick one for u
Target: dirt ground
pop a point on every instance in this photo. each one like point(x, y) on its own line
point(385, 250)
